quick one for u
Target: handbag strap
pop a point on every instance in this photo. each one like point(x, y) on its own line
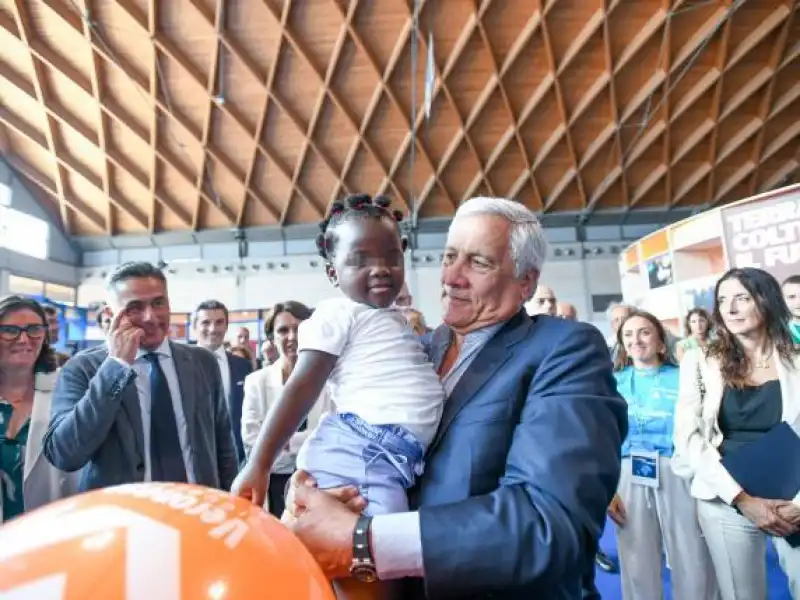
point(701, 386)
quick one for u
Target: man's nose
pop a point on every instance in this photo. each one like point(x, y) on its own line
point(453, 275)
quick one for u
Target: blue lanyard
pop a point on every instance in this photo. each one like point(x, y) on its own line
point(638, 411)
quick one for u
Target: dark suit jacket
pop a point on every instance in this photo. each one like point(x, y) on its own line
point(96, 419)
point(239, 368)
point(523, 467)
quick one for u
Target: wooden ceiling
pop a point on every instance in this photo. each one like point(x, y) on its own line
point(140, 116)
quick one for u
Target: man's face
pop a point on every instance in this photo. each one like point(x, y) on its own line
point(104, 322)
point(543, 302)
point(210, 327)
point(791, 293)
point(567, 311)
point(52, 327)
point(618, 315)
point(479, 283)
point(146, 305)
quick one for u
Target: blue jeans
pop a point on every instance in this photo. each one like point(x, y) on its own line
point(381, 460)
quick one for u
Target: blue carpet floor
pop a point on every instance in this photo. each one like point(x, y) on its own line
point(610, 587)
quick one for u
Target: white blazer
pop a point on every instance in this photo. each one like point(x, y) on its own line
point(42, 483)
point(262, 389)
point(697, 432)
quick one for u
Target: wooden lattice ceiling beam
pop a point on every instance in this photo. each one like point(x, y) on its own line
point(517, 47)
point(330, 71)
point(562, 108)
point(756, 86)
point(384, 88)
point(778, 50)
point(101, 120)
point(612, 91)
point(262, 117)
point(23, 25)
point(304, 53)
point(68, 163)
point(49, 187)
point(152, 24)
point(210, 101)
point(510, 111)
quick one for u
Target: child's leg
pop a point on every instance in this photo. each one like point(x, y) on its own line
point(352, 589)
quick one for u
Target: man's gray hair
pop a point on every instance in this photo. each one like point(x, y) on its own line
point(614, 305)
point(527, 243)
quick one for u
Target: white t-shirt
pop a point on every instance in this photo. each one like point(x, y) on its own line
point(383, 374)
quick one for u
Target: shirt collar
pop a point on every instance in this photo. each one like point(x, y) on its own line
point(164, 349)
point(221, 353)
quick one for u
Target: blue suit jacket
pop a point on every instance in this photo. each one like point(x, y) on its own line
point(239, 368)
point(96, 420)
point(523, 467)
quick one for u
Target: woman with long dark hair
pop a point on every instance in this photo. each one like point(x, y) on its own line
point(697, 325)
point(27, 377)
point(653, 509)
point(732, 394)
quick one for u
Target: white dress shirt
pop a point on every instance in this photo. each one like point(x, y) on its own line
point(224, 370)
point(142, 369)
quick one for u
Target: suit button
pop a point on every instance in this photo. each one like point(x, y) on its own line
point(140, 468)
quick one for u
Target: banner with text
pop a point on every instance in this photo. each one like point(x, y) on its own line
point(765, 234)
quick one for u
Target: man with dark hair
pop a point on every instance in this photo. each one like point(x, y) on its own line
point(102, 318)
point(54, 333)
point(791, 293)
point(141, 408)
point(210, 323)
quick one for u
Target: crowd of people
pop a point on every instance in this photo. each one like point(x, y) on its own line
point(478, 459)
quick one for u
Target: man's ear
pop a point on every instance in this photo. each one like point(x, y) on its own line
point(529, 281)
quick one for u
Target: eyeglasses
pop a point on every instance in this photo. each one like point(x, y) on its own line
point(10, 333)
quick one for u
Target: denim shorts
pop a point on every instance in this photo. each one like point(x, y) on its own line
point(381, 460)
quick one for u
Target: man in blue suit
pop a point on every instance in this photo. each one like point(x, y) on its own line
point(210, 323)
point(527, 455)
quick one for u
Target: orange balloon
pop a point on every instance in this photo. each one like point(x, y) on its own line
point(155, 541)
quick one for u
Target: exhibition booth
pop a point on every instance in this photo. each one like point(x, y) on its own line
point(675, 268)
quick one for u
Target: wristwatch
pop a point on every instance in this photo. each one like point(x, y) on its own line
point(363, 566)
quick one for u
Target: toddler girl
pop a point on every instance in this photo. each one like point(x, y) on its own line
point(387, 395)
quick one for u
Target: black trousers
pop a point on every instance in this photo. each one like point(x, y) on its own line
point(277, 488)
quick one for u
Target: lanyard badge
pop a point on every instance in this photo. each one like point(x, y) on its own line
point(645, 468)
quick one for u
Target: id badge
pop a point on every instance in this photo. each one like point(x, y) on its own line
point(644, 468)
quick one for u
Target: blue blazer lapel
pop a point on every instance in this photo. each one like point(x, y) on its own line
point(487, 363)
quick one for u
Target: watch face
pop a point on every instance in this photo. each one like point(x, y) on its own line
point(365, 573)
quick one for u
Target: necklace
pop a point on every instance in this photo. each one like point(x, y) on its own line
point(763, 362)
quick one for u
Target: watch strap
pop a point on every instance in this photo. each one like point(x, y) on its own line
point(362, 555)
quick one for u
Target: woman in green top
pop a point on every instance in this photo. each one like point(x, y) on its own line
point(27, 373)
point(698, 332)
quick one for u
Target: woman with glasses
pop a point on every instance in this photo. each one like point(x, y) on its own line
point(27, 375)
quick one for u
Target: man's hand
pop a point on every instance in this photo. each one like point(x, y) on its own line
point(123, 338)
point(251, 484)
point(790, 512)
point(764, 514)
point(347, 495)
point(326, 527)
point(616, 510)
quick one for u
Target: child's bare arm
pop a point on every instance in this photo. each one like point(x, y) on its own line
point(296, 401)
